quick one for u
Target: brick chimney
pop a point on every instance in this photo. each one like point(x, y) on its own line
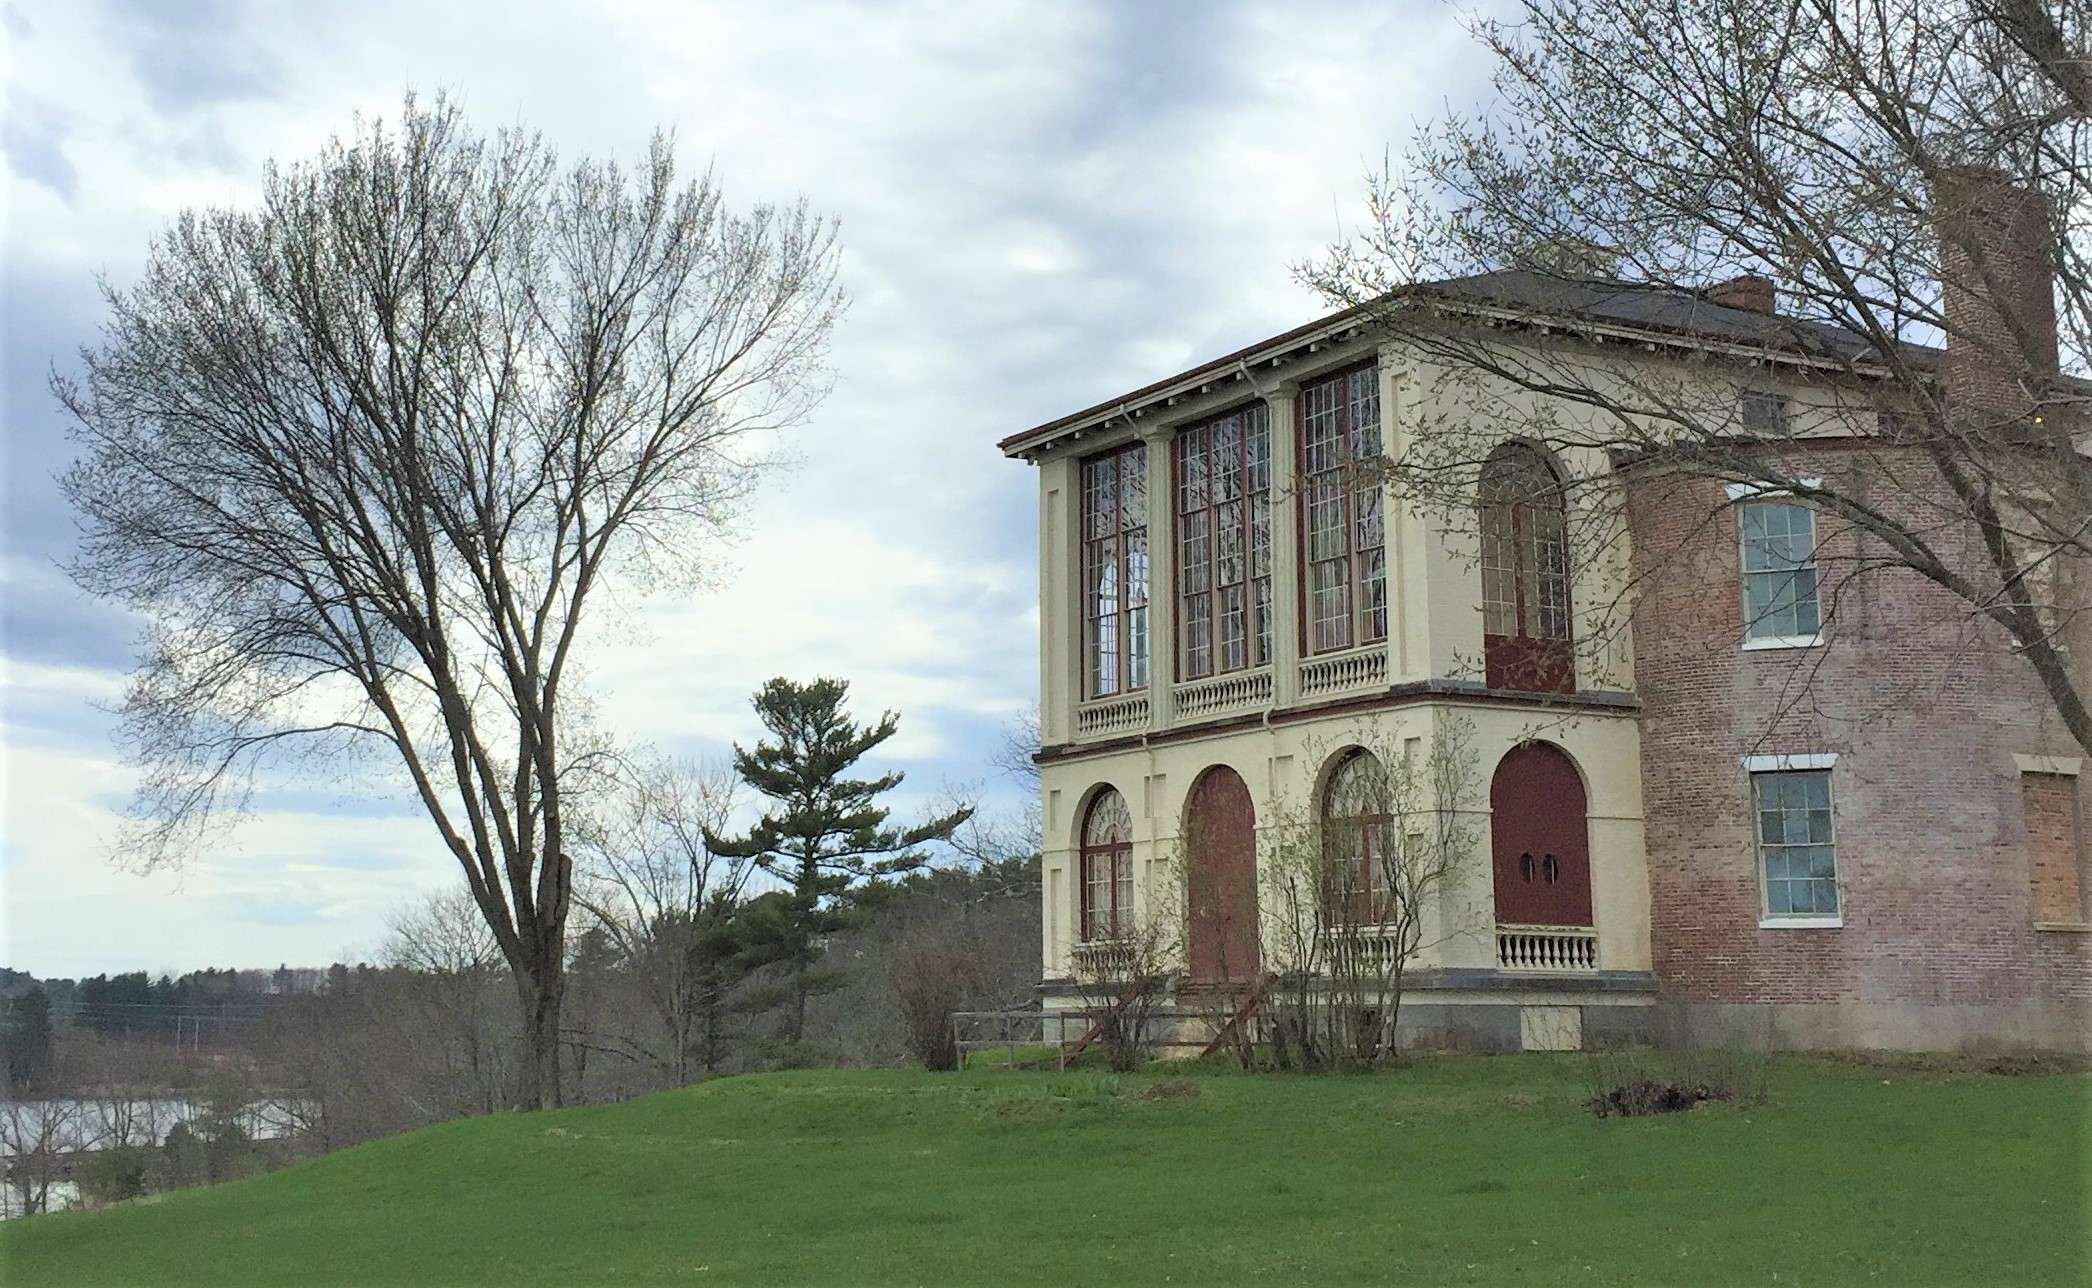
point(1747, 292)
point(1997, 289)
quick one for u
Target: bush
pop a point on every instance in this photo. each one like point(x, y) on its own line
point(1634, 1081)
point(113, 1175)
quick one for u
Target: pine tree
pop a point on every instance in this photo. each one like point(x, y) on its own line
point(825, 834)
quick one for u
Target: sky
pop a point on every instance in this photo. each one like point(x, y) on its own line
point(1041, 206)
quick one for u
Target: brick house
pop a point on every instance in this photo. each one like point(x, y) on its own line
point(1233, 610)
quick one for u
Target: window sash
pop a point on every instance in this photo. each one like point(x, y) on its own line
point(1797, 843)
point(1343, 535)
point(1222, 470)
point(1115, 571)
point(1107, 891)
point(1525, 555)
point(1778, 562)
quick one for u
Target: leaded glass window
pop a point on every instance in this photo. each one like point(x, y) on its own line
point(1223, 480)
point(1107, 867)
point(1115, 571)
point(1343, 530)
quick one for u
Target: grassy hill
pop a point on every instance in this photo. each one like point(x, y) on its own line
point(1464, 1170)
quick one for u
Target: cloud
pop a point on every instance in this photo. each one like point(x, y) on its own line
point(1041, 205)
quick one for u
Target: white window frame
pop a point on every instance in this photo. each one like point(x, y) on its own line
point(1783, 763)
point(1738, 494)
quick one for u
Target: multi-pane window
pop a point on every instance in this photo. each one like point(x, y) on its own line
point(1343, 539)
point(1796, 846)
point(1107, 868)
point(1779, 570)
point(1525, 573)
point(1764, 413)
point(1115, 570)
point(1355, 832)
point(1223, 481)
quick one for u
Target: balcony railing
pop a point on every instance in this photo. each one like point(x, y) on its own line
point(1102, 958)
point(1554, 950)
point(1243, 689)
point(1113, 715)
point(1341, 672)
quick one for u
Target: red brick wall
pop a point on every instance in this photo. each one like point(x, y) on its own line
point(2050, 801)
point(1925, 712)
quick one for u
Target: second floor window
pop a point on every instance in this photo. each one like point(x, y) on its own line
point(1223, 482)
point(1779, 571)
point(1525, 573)
point(1343, 539)
point(1115, 570)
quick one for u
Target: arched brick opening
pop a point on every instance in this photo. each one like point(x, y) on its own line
point(1539, 838)
point(1221, 832)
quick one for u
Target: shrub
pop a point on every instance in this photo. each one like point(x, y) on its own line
point(114, 1174)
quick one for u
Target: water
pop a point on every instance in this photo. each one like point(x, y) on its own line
point(80, 1126)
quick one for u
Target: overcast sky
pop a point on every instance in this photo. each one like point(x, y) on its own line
point(1043, 205)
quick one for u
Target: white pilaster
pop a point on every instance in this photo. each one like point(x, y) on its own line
point(1285, 545)
point(1162, 580)
point(1408, 532)
point(1060, 615)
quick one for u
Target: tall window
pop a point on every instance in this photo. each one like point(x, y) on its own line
point(1344, 545)
point(1223, 476)
point(1779, 571)
point(1115, 570)
point(1796, 846)
point(1355, 833)
point(1107, 868)
point(1525, 574)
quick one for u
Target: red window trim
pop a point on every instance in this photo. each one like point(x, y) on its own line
point(1359, 616)
point(1256, 649)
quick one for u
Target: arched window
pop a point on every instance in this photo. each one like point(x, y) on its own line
point(1356, 812)
point(1525, 574)
point(1107, 868)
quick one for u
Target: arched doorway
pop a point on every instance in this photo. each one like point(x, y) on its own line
point(1540, 845)
point(1221, 832)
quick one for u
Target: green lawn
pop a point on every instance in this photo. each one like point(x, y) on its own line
point(1459, 1170)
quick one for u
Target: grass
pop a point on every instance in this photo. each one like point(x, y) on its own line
point(1455, 1170)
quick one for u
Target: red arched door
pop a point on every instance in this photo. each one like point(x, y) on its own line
point(1222, 930)
point(1540, 843)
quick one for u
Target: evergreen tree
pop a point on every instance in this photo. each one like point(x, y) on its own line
point(825, 833)
point(28, 1055)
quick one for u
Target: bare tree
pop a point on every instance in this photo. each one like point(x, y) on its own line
point(1126, 977)
point(1881, 207)
point(37, 1137)
point(1359, 891)
point(667, 901)
point(446, 964)
point(362, 457)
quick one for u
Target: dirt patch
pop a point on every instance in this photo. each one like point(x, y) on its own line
point(1170, 1089)
point(1646, 1096)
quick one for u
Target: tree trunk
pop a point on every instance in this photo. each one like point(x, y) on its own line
point(542, 991)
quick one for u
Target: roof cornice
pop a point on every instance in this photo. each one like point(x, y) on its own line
point(1353, 323)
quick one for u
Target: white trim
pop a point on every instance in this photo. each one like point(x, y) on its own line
point(1752, 491)
point(1782, 763)
point(1783, 641)
point(2068, 766)
point(1801, 923)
